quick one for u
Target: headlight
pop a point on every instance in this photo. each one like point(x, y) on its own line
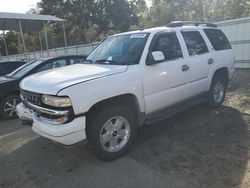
point(56, 101)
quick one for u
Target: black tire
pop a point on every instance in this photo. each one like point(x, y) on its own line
point(5, 103)
point(222, 81)
point(27, 122)
point(95, 128)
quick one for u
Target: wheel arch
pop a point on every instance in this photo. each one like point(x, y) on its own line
point(128, 99)
point(224, 71)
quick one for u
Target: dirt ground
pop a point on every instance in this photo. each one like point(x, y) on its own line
point(201, 147)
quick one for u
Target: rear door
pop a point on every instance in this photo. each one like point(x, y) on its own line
point(199, 59)
point(222, 50)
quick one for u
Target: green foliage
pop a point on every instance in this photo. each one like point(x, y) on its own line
point(13, 43)
point(163, 11)
point(87, 20)
point(92, 20)
point(238, 8)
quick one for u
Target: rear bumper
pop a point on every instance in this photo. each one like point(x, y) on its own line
point(67, 134)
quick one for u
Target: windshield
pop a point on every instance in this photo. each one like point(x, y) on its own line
point(21, 71)
point(120, 50)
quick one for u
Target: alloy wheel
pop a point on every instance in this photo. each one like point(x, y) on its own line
point(115, 134)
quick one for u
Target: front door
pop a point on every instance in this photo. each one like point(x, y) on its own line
point(165, 83)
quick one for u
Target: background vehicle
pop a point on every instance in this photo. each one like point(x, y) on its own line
point(9, 66)
point(132, 78)
point(9, 84)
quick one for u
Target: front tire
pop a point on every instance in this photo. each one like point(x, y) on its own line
point(8, 107)
point(111, 132)
point(217, 91)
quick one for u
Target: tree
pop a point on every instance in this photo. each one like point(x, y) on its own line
point(13, 43)
point(87, 19)
point(238, 8)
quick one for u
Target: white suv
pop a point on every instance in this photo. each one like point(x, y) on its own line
point(130, 79)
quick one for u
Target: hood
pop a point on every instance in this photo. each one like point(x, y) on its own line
point(50, 82)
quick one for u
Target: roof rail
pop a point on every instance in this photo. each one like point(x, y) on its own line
point(182, 23)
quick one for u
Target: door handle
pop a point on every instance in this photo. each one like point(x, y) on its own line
point(184, 68)
point(210, 61)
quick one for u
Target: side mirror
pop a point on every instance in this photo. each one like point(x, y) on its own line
point(158, 56)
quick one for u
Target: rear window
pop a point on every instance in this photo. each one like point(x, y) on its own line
point(218, 39)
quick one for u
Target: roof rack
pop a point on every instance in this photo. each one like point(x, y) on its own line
point(183, 23)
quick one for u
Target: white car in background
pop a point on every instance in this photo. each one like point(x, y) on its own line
point(130, 79)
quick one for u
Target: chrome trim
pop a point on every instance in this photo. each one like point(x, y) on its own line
point(46, 110)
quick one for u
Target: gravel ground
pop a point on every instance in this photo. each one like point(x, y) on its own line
point(201, 147)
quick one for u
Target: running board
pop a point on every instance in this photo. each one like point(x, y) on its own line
point(173, 109)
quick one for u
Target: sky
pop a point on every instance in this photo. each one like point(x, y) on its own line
point(21, 6)
point(18, 6)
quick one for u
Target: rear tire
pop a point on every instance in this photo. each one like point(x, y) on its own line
point(8, 107)
point(111, 132)
point(217, 91)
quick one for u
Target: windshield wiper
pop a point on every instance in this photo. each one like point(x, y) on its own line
point(107, 61)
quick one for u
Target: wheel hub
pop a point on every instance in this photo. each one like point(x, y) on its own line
point(115, 134)
point(9, 107)
point(218, 93)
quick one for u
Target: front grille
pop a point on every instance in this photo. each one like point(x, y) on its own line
point(32, 97)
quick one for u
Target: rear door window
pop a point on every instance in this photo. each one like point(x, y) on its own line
point(218, 39)
point(194, 42)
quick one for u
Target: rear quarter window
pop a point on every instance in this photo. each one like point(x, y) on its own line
point(218, 39)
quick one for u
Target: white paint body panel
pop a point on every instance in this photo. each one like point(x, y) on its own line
point(66, 134)
point(165, 83)
point(84, 95)
point(155, 87)
point(52, 81)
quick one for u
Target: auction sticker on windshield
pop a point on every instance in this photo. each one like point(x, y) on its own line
point(138, 35)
